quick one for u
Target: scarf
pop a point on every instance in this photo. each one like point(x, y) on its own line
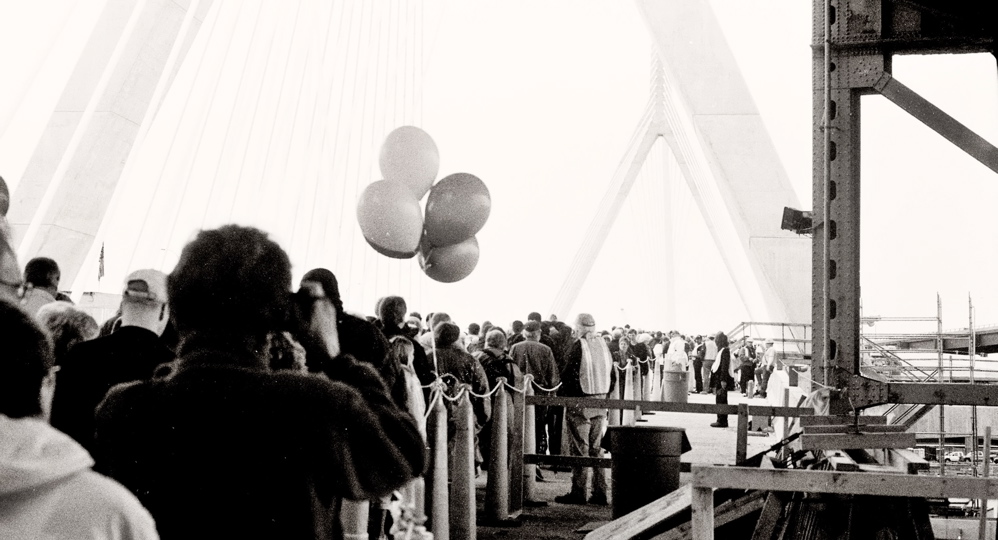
point(594, 372)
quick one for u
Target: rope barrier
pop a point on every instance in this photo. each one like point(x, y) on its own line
point(543, 389)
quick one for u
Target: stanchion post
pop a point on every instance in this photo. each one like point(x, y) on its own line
point(627, 419)
point(439, 519)
point(529, 444)
point(741, 441)
point(353, 519)
point(618, 393)
point(516, 444)
point(983, 533)
point(638, 389)
point(462, 500)
point(497, 487)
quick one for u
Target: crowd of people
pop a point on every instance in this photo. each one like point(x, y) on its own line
point(217, 403)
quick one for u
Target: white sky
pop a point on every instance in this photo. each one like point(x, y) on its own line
point(539, 100)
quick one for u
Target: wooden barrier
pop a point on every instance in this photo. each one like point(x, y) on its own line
point(439, 496)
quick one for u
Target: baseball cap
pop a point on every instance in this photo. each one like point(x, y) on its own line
point(145, 285)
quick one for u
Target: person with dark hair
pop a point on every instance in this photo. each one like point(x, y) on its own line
point(225, 448)
point(515, 333)
point(536, 359)
point(48, 488)
point(392, 315)
point(474, 341)
point(427, 339)
point(67, 326)
point(497, 364)
point(462, 367)
point(721, 377)
point(359, 337)
point(41, 282)
point(534, 316)
point(132, 353)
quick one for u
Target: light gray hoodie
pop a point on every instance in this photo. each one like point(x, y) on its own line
point(48, 490)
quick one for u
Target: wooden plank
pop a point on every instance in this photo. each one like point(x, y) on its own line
point(902, 460)
point(844, 441)
point(870, 428)
point(653, 406)
point(741, 434)
point(723, 514)
point(648, 516)
point(839, 461)
point(770, 516)
point(806, 421)
point(703, 513)
point(581, 461)
point(810, 481)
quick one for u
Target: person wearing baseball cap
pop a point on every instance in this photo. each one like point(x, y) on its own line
point(131, 353)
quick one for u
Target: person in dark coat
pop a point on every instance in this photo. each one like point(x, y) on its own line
point(721, 377)
point(223, 447)
point(131, 353)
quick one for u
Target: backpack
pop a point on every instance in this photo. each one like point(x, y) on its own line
point(498, 366)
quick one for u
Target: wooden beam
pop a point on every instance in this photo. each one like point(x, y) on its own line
point(839, 461)
point(725, 513)
point(843, 441)
point(770, 516)
point(645, 518)
point(572, 461)
point(873, 428)
point(810, 481)
point(903, 460)
point(703, 513)
point(647, 406)
point(741, 434)
point(806, 421)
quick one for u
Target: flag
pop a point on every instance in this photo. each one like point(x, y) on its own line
point(100, 265)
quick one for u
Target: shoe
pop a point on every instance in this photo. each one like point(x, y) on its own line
point(598, 500)
point(718, 424)
point(570, 498)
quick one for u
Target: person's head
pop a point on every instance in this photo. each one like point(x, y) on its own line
point(144, 301)
point(26, 375)
point(532, 331)
point(446, 335)
point(710, 338)
point(392, 311)
point(495, 339)
point(584, 324)
point(413, 327)
point(330, 286)
point(417, 315)
point(401, 350)
point(534, 316)
point(769, 343)
point(553, 318)
point(721, 339)
point(232, 285)
point(517, 326)
point(438, 318)
point(487, 327)
point(474, 329)
point(67, 326)
point(42, 273)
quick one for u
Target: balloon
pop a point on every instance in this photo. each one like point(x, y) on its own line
point(452, 263)
point(409, 156)
point(457, 208)
point(390, 218)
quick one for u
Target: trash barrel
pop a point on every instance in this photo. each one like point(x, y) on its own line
point(674, 386)
point(644, 464)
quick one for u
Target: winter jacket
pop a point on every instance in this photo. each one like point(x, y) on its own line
point(47, 489)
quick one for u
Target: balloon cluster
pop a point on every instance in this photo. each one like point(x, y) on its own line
point(393, 222)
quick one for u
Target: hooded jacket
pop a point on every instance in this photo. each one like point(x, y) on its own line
point(47, 489)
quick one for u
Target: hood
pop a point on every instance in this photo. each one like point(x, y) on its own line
point(33, 453)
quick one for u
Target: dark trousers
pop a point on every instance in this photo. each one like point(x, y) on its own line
point(697, 375)
point(541, 422)
point(556, 416)
point(721, 395)
point(747, 375)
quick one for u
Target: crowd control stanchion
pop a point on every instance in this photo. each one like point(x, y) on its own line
point(627, 419)
point(436, 429)
point(618, 393)
point(497, 487)
point(529, 444)
point(353, 519)
point(516, 437)
point(462, 499)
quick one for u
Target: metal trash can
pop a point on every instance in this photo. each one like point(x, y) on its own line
point(644, 464)
point(675, 386)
